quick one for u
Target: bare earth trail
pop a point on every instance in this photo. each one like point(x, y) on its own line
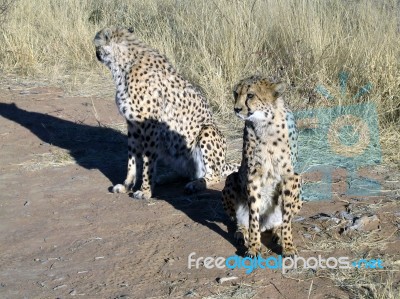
point(63, 234)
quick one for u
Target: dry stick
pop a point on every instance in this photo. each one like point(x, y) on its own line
point(96, 116)
point(278, 290)
point(310, 289)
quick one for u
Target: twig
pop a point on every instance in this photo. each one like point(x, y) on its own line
point(278, 290)
point(310, 289)
point(96, 116)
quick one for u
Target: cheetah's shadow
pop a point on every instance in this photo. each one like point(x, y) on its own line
point(105, 149)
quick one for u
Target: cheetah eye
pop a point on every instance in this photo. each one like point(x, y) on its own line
point(235, 95)
point(250, 96)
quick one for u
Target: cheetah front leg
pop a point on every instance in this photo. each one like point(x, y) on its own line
point(134, 159)
point(254, 201)
point(149, 172)
point(290, 206)
point(209, 157)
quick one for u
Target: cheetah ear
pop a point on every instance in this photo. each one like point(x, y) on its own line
point(103, 37)
point(279, 88)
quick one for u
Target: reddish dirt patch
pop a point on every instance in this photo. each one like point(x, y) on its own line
point(63, 234)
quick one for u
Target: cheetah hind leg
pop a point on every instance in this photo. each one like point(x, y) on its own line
point(209, 158)
point(229, 194)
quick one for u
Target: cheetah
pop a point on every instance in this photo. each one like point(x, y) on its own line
point(168, 119)
point(264, 194)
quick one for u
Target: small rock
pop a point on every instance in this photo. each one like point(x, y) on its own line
point(345, 215)
point(99, 258)
point(73, 292)
point(191, 293)
point(298, 219)
point(42, 284)
point(316, 229)
point(322, 216)
point(325, 217)
point(364, 223)
point(221, 280)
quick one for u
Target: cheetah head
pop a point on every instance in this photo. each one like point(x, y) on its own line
point(256, 98)
point(111, 43)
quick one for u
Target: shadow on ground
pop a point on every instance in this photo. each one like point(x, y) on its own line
point(103, 148)
point(91, 147)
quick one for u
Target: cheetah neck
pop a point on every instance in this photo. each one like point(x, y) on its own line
point(266, 139)
point(266, 130)
point(126, 57)
point(267, 133)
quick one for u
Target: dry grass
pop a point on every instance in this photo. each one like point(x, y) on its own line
point(54, 158)
point(215, 43)
point(240, 291)
point(359, 283)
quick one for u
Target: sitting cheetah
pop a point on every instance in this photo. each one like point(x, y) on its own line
point(265, 192)
point(167, 117)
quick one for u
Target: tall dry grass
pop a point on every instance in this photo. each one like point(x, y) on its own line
point(215, 43)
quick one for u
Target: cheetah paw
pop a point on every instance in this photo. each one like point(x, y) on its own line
point(275, 238)
point(119, 188)
point(263, 251)
point(289, 251)
point(141, 195)
point(252, 253)
point(195, 186)
point(240, 238)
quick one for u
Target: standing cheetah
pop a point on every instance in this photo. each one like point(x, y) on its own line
point(167, 117)
point(265, 193)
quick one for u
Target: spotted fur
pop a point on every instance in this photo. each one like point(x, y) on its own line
point(168, 118)
point(265, 192)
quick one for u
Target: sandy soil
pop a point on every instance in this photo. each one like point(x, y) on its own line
point(63, 234)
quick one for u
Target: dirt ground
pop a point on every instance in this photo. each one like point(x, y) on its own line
point(63, 234)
